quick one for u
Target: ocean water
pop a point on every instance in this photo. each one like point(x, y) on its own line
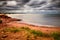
point(30, 11)
point(44, 19)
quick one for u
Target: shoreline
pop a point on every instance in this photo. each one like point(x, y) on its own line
point(37, 24)
point(13, 22)
point(37, 19)
point(44, 29)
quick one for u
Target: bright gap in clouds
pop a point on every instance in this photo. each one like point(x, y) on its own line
point(11, 3)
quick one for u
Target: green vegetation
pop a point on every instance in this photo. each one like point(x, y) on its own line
point(25, 28)
point(56, 35)
point(0, 21)
point(35, 33)
point(11, 30)
point(39, 33)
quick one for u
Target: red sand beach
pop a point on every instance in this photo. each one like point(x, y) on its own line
point(31, 26)
point(12, 22)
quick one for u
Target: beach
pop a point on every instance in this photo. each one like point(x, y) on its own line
point(9, 22)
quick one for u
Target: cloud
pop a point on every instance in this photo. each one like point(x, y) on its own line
point(44, 4)
point(11, 3)
point(35, 4)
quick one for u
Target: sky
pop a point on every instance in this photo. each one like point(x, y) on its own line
point(31, 4)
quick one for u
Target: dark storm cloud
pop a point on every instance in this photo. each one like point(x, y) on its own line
point(48, 4)
point(40, 4)
point(5, 0)
point(22, 2)
point(25, 1)
point(16, 0)
point(37, 3)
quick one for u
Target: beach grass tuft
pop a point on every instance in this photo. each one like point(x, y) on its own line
point(56, 35)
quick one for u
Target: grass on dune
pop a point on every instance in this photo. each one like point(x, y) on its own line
point(55, 35)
